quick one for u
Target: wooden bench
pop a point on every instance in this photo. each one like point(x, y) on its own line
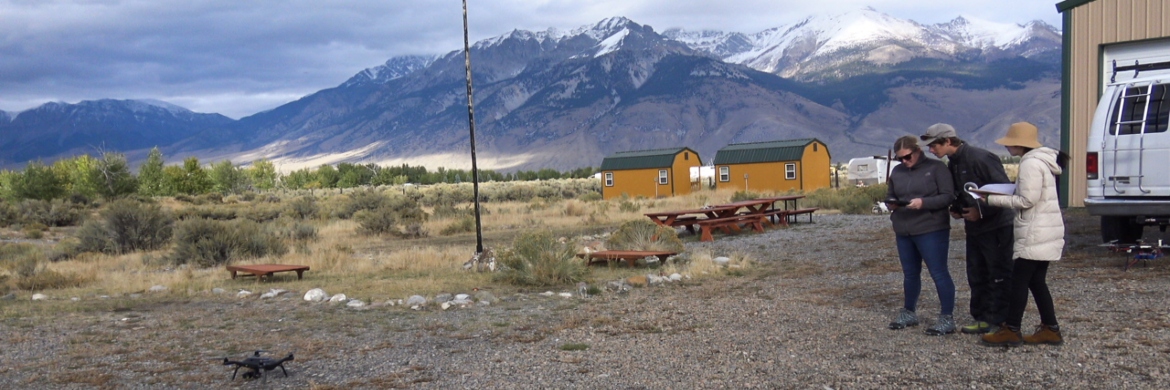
point(728, 223)
point(792, 214)
point(262, 270)
point(776, 217)
point(629, 256)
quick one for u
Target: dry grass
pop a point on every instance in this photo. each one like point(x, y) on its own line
point(377, 268)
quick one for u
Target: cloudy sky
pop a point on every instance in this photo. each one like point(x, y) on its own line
point(239, 57)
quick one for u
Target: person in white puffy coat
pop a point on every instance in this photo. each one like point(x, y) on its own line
point(1039, 236)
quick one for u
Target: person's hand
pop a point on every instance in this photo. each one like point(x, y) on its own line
point(915, 204)
point(971, 214)
point(955, 215)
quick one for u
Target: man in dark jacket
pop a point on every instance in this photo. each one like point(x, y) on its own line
point(989, 229)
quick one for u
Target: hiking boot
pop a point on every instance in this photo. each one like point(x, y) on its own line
point(944, 325)
point(978, 327)
point(903, 319)
point(1045, 335)
point(1005, 337)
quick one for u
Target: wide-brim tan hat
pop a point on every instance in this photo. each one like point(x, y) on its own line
point(1021, 134)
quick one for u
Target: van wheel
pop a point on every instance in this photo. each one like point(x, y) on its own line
point(1122, 229)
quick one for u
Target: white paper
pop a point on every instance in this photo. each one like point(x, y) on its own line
point(995, 188)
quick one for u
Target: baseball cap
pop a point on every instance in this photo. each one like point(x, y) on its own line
point(937, 131)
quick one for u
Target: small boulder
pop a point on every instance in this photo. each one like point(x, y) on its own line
point(675, 277)
point(444, 297)
point(243, 294)
point(337, 298)
point(158, 288)
point(355, 303)
point(218, 290)
point(416, 300)
point(316, 295)
point(721, 260)
point(484, 296)
point(273, 293)
point(8, 297)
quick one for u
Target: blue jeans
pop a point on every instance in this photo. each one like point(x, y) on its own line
point(930, 248)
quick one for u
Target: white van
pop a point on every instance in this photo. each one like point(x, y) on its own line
point(867, 171)
point(1128, 159)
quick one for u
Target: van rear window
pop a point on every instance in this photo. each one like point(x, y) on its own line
point(1131, 115)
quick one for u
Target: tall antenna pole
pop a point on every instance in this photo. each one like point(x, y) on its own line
point(471, 125)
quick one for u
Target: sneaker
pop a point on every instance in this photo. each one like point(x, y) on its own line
point(1005, 336)
point(979, 327)
point(905, 318)
point(944, 325)
point(1045, 335)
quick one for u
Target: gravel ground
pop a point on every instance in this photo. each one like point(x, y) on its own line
point(812, 314)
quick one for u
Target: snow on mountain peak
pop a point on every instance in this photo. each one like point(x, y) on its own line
point(611, 43)
point(981, 33)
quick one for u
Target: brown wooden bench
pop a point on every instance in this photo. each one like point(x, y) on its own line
point(629, 256)
point(792, 214)
point(262, 270)
point(756, 221)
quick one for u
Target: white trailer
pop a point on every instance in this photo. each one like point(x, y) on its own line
point(867, 171)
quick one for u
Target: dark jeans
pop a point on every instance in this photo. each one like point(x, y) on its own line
point(930, 248)
point(1030, 275)
point(989, 273)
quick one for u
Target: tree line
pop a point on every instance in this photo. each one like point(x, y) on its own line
point(110, 176)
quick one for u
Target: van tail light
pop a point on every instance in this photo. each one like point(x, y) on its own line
point(1091, 165)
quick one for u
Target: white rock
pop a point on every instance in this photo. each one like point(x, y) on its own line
point(158, 288)
point(721, 260)
point(336, 298)
point(243, 294)
point(548, 293)
point(655, 279)
point(462, 297)
point(566, 295)
point(484, 296)
point(416, 307)
point(416, 300)
point(446, 305)
point(675, 277)
point(273, 293)
point(355, 303)
point(316, 295)
point(217, 290)
point(75, 299)
point(461, 302)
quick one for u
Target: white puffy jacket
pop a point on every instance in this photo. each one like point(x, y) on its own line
point(1039, 225)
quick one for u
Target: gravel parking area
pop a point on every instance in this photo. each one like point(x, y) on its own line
point(812, 313)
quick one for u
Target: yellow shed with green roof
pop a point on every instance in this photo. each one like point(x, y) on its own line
point(650, 173)
point(774, 166)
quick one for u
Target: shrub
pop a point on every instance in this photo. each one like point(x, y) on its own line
point(538, 259)
point(744, 195)
point(8, 215)
point(304, 207)
point(127, 226)
point(206, 243)
point(574, 209)
point(590, 197)
point(379, 221)
point(462, 225)
point(302, 232)
point(56, 212)
point(626, 205)
point(644, 235)
point(260, 213)
point(367, 199)
point(849, 200)
point(26, 263)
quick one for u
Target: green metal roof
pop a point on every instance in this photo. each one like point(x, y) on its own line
point(643, 159)
point(755, 152)
point(1070, 4)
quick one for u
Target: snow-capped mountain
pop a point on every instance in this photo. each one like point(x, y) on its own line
point(846, 44)
point(5, 117)
point(565, 99)
point(394, 68)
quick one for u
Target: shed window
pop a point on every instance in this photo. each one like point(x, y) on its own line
point(609, 179)
point(686, 155)
point(814, 147)
point(662, 176)
point(724, 173)
point(790, 171)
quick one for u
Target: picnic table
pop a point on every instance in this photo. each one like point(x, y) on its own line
point(726, 217)
point(262, 270)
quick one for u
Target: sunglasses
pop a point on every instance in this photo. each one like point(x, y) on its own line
point(904, 158)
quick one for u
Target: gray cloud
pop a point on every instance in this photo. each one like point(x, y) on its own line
point(241, 57)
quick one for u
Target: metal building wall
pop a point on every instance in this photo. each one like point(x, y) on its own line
point(1087, 28)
